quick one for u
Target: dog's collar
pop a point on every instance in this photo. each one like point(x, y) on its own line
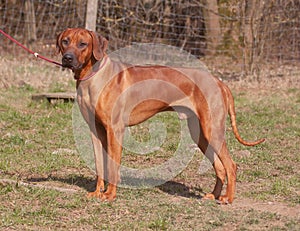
point(102, 63)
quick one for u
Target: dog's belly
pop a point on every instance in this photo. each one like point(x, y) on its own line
point(144, 111)
point(149, 108)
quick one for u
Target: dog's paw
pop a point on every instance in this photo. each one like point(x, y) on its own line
point(95, 194)
point(209, 196)
point(224, 200)
point(108, 197)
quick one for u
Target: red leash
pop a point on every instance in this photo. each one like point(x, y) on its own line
point(28, 50)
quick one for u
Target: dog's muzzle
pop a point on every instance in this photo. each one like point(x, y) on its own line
point(69, 60)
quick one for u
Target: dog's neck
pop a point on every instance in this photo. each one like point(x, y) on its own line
point(91, 66)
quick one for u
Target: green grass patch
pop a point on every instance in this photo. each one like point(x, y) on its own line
point(37, 146)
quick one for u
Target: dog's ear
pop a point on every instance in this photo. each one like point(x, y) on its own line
point(100, 45)
point(58, 43)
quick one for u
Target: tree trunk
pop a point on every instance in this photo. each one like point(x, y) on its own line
point(212, 26)
point(30, 24)
point(251, 14)
point(91, 15)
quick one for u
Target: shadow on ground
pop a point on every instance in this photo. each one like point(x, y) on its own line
point(87, 183)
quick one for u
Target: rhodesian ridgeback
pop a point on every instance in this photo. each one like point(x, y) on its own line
point(113, 95)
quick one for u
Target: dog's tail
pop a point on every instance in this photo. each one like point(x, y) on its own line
point(232, 115)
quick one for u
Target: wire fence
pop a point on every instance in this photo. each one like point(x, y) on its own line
point(249, 31)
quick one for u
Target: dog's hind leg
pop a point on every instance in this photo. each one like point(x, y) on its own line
point(199, 139)
point(231, 169)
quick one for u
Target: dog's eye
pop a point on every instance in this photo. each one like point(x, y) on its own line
point(82, 45)
point(65, 42)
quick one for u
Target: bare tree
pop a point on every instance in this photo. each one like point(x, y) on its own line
point(91, 14)
point(250, 25)
point(30, 22)
point(212, 25)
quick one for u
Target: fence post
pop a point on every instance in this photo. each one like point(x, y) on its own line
point(30, 21)
point(91, 15)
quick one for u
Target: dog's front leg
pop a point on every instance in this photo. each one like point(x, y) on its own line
point(99, 141)
point(114, 145)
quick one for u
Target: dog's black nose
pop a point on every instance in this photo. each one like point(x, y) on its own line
point(68, 58)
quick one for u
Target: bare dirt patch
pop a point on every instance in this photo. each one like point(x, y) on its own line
point(278, 208)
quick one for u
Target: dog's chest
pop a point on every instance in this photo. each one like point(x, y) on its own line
point(86, 102)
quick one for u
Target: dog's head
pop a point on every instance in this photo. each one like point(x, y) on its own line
point(80, 47)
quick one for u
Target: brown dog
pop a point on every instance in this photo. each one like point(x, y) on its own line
point(112, 95)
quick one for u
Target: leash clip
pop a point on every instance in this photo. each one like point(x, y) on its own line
point(36, 54)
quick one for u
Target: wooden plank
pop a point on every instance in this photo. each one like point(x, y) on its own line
point(65, 96)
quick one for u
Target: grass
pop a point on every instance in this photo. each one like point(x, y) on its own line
point(38, 147)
